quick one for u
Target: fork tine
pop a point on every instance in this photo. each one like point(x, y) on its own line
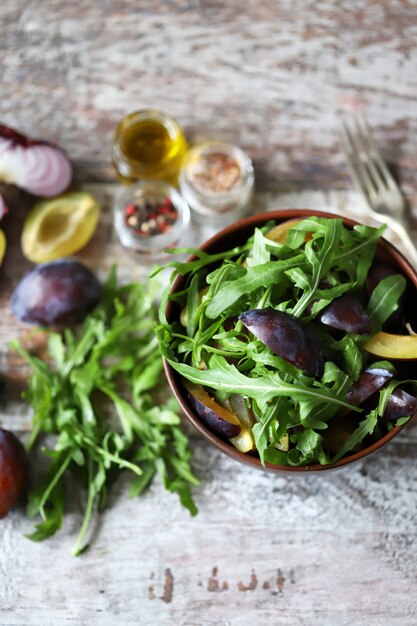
point(356, 169)
point(366, 154)
point(376, 154)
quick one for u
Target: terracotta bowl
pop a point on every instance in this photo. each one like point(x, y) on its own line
point(235, 235)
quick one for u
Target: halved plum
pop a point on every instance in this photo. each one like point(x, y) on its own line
point(217, 418)
point(400, 404)
point(378, 272)
point(346, 313)
point(369, 382)
point(286, 336)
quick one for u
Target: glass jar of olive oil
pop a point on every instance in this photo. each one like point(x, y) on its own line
point(148, 144)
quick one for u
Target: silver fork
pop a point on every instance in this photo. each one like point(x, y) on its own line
point(373, 180)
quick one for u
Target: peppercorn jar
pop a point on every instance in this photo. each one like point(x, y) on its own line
point(217, 181)
point(148, 144)
point(150, 217)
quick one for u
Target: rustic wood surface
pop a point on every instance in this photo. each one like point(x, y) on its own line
point(332, 550)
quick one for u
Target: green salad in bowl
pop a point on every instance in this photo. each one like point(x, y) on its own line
point(285, 339)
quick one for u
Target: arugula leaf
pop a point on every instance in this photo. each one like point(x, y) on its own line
point(261, 429)
point(308, 446)
point(53, 520)
point(350, 353)
point(384, 300)
point(320, 260)
point(192, 305)
point(221, 375)
point(358, 251)
point(259, 276)
point(259, 254)
point(366, 427)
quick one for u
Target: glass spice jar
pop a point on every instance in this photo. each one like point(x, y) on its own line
point(148, 144)
point(150, 217)
point(217, 181)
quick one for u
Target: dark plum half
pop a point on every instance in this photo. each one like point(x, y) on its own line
point(368, 383)
point(286, 336)
point(61, 292)
point(346, 313)
point(220, 420)
point(378, 271)
point(400, 404)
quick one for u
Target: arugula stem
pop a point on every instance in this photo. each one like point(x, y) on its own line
point(264, 298)
point(54, 482)
point(33, 435)
point(78, 548)
point(119, 461)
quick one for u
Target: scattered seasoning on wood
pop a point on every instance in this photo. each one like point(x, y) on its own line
point(215, 172)
point(151, 217)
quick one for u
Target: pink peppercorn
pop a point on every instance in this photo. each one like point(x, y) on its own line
point(151, 217)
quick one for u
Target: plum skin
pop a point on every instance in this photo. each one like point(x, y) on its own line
point(400, 404)
point(60, 292)
point(217, 418)
point(13, 471)
point(286, 336)
point(370, 381)
point(346, 313)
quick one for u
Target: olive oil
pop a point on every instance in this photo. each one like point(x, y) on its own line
point(148, 144)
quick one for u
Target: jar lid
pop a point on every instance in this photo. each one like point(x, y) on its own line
point(150, 216)
point(217, 169)
point(216, 179)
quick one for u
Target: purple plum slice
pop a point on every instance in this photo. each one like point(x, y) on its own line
point(56, 293)
point(378, 272)
point(368, 383)
point(400, 404)
point(346, 313)
point(217, 418)
point(286, 336)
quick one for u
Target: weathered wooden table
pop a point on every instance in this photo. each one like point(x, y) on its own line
point(316, 550)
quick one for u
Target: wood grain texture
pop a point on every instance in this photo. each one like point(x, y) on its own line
point(328, 550)
point(271, 76)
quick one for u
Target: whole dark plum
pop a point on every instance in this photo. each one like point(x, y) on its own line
point(287, 336)
point(13, 471)
point(61, 292)
point(346, 313)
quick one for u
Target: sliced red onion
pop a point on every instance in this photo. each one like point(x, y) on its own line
point(3, 207)
point(35, 166)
